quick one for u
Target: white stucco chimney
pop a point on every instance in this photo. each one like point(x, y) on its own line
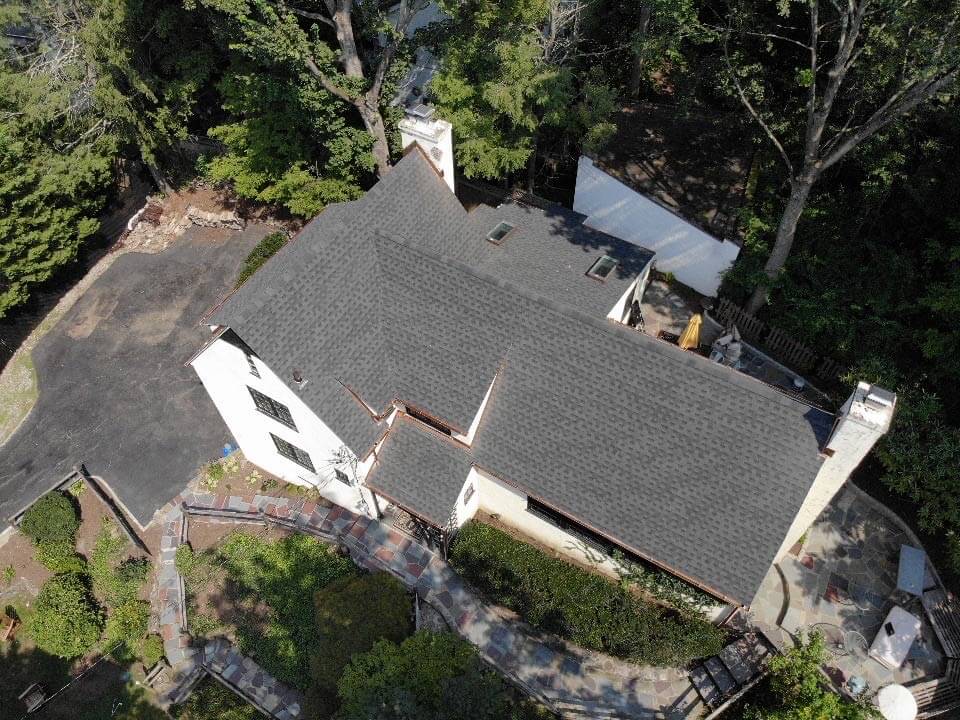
point(434, 136)
point(863, 419)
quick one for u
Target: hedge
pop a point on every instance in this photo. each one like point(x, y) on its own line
point(264, 250)
point(580, 606)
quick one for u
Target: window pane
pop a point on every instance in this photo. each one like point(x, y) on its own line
point(602, 267)
point(273, 408)
point(499, 232)
point(292, 452)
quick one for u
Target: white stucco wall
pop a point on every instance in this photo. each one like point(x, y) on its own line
point(510, 506)
point(858, 428)
point(223, 369)
point(695, 258)
point(435, 138)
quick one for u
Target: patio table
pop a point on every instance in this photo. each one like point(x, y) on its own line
point(897, 633)
point(911, 571)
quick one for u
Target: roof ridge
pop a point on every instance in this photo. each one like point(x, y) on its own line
point(697, 362)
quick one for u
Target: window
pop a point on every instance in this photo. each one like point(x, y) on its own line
point(497, 235)
point(602, 268)
point(268, 406)
point(252, 365)
point(468, 493)
point(292, 452)
point(427, 420)
point(341, 476)
point(585, 535)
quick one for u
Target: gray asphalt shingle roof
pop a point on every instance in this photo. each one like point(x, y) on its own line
point(697, 467)
point(440, 466)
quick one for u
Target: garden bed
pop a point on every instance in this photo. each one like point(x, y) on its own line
point(587, 609)
point(295, 605)
point(78, 588)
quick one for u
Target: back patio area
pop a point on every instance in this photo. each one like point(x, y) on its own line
point(841, 581)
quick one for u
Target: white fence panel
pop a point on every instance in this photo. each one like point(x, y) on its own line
point(695, 258)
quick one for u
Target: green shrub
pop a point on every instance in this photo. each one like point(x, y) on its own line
point(66, 620)
point(215, 472)
point(151, 650)
point(428, 675)
point(186, 561)
point(585, 608)
point(796, 688)
point(284, 575)
point(264, 250)
point(116, 581)
point(352, 613)
point(202, 624)
point(52, 518)
point(126, 628)
point(212, 701)
point(60, 556)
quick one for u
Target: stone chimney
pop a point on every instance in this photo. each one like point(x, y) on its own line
point(434, 136)
point(863, 419)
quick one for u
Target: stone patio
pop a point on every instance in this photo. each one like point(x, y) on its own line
point(841, 582)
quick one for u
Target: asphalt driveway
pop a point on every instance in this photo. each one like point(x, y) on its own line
point(114, 393)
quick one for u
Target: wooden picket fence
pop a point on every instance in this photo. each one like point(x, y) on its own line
point(776, 342)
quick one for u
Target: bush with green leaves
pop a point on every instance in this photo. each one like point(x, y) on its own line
point(264, 250)
point(284, 575)
point(152, 650)
point(117, 580)
point(352, 613)
point(578, 605)
point(428, 675)
point(796, 690)
point(126, 630)
point(60, 556)
point(51, 519)
point(212, 701)
point(67, 620)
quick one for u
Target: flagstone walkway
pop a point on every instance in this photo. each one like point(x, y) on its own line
point(577, 682)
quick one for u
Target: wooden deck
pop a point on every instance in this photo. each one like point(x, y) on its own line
point(944, 614)
point(941, 696)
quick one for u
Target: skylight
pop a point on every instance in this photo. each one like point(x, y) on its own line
point(497, 235)
point(602, 268)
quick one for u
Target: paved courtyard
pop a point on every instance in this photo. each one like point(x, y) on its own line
point(114, 394)
point(841, 582)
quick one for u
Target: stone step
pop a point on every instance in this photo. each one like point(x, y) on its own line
point(720, 675)
point(706, 688)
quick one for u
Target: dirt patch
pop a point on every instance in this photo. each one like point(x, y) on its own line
point(241, 477)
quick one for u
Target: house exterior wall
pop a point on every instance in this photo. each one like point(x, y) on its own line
point(694, 257)
point(225, 374)
point(863, 419)
point(510, 506)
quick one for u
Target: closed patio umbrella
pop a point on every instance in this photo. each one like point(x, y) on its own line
point(896, 703)
point(690, 338)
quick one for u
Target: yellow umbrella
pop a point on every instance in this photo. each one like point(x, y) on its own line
point(690, 339)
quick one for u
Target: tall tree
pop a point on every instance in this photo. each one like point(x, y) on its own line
point(297, 34)
point(509, 74)
point(56, 155)
point(862, 65)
